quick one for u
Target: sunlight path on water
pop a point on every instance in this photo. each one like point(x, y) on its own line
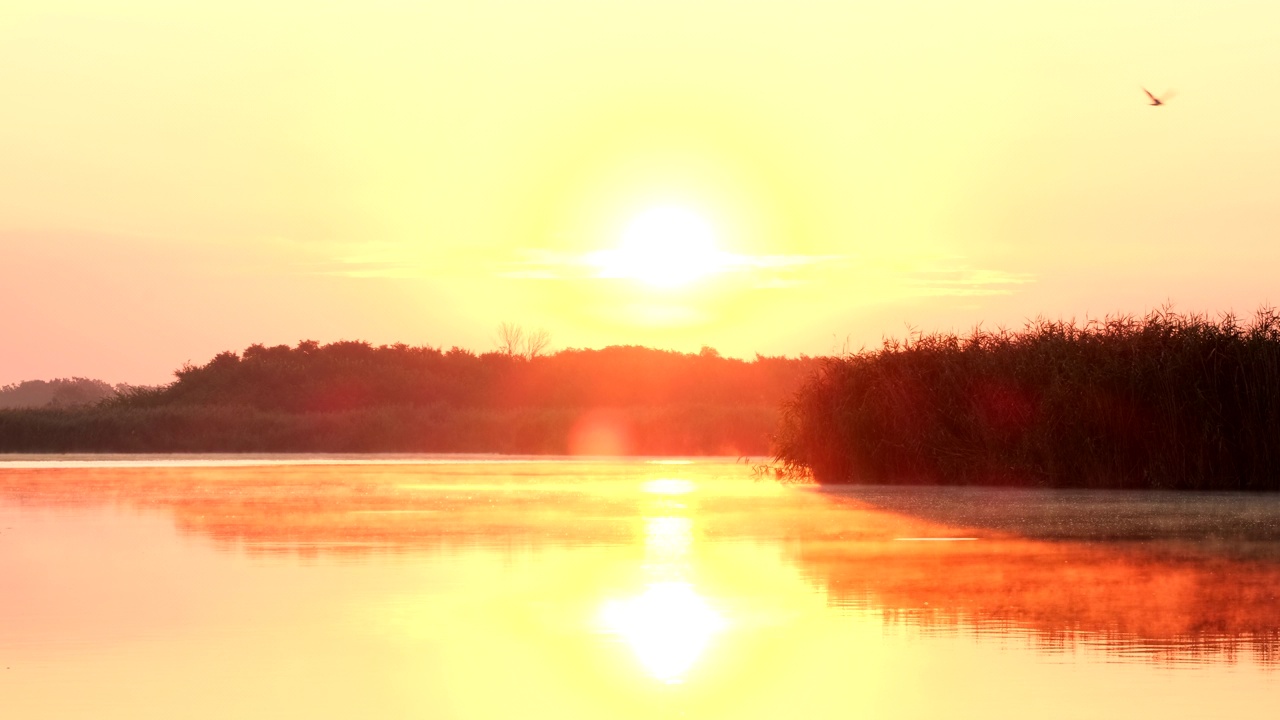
point(670, 624)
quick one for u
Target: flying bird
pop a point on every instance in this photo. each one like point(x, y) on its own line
point(1157, 100)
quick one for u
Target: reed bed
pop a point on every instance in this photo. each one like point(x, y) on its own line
point(1168, 400)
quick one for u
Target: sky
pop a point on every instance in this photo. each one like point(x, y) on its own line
point(180, 178)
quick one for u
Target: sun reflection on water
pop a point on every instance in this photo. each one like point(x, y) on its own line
point(669, 625)
point(667, 541)
point(669, 486)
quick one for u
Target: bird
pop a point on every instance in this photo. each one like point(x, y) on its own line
point(1155, 100)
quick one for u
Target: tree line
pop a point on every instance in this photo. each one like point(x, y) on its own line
point(62, 392)
point(356, 397)
point(311, 377)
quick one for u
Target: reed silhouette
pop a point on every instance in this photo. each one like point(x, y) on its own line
point(1168, 400)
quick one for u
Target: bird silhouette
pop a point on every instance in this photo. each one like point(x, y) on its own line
point(1157, 100)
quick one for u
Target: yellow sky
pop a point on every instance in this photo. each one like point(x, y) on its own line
point(178, 179)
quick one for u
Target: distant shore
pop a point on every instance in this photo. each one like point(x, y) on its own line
point(351, 397)
point(1165, 401)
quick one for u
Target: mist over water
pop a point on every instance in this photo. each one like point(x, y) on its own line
point(480, 587)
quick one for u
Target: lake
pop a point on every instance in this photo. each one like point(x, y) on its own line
point(482, 587)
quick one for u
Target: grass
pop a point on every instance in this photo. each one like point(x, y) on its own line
point(667, 430)
point(1169, 400)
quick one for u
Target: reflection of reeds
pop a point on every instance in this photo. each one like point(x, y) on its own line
point(1164, 401)
point(1262, 648)
point(1155, 577)
point(665, 430)
point(1124, 600)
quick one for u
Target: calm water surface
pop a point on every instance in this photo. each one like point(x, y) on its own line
point(476, 588)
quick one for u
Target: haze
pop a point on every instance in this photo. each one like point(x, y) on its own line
point(177, 180)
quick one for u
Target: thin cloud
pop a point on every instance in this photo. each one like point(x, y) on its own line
point(966, 281)
point(550, 265)
point(943, 277)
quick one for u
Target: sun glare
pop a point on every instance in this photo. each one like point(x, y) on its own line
point(666, 246)
point(668, 627)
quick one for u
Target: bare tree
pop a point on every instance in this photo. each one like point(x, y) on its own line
point(537, 343)
point(510, 339)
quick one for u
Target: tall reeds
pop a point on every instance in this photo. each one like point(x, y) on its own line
point(1167, 400)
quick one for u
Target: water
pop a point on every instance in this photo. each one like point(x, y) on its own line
point(472, 588)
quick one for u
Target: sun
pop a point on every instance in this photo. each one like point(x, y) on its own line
point(667, 246)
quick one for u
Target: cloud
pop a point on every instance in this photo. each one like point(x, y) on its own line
point(946, 276)
point(965, 281)
point(764, 270)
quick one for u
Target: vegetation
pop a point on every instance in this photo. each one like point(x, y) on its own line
point(1164, 401)
point(63, 392)
point(354, 397)
point(671, 430)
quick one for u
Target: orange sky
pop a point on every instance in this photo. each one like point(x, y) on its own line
point(177, 180)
